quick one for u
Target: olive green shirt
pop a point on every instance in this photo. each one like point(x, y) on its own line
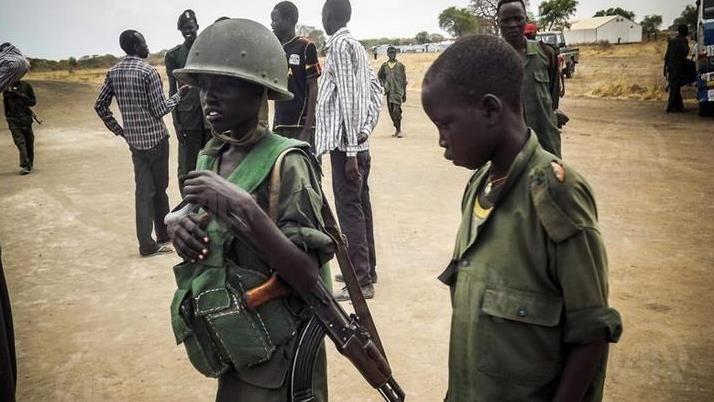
point(393, 77)
point(539, 90)
point(527, 283)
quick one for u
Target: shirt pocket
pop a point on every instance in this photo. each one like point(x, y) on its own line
point(520, 336)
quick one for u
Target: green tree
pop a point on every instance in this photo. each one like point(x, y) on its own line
point(689, 17)
point(315, 35)
point(616, 11)
point(423, 37)
point(650, 25)
point(457, 21)
point(555, 14)
point(436, 38)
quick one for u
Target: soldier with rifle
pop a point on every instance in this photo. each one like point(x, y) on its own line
point(253, 303)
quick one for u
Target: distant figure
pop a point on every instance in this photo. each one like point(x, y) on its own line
point(541, 86)
point(674, 61)
point(192, 131)
point(18, 99)
point(139, 92)
point(296, 118)
point(393, 78)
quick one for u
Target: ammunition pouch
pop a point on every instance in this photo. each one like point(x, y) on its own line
point(219, 333)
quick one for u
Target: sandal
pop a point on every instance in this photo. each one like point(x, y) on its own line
point(161, 249)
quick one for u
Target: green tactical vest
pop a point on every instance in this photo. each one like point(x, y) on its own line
point(207, 314)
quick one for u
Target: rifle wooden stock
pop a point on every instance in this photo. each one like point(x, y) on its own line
point(270, 290)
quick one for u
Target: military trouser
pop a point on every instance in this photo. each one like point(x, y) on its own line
point(151, 175)
point(395, 112)
point(354, 212)
point(191, 143)
point(295, 132)
point(24, 139)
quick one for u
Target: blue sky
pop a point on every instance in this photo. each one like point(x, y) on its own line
point(59, 29)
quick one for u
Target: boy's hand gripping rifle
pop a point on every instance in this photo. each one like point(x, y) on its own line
point(355, 336)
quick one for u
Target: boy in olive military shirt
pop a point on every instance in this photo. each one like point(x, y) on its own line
point(528, 278)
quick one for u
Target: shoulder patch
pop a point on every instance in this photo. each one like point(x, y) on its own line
point(555, 221)
point(558, 171)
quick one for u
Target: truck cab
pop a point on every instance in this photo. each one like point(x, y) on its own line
point(705, 57)
point(569, 57)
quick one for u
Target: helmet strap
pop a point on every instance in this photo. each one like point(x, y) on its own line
point(253, 136)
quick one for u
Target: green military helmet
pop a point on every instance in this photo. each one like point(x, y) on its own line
point(242, 49)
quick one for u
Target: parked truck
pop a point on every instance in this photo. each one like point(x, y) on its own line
point(569, 56)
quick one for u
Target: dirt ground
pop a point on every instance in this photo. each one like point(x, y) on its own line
point(92, 318)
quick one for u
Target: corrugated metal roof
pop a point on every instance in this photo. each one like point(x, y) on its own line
point(592, 23)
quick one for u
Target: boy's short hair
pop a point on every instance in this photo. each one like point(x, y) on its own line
point(477, 65)
point(128, 40)
point(288, 10)
point(502, 2)
point(341, 9)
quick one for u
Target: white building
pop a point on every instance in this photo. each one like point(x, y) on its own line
point(614, 29)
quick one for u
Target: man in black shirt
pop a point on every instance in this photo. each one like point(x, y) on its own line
point(674, 61)
point(191, 130)
point(296, 118)
point(18, 99)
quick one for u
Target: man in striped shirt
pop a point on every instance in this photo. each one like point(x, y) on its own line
point(348, 104)
point(139, 92)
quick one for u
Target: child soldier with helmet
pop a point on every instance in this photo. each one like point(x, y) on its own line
point(246, 229)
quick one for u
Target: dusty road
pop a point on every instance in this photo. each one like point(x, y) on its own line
point(92, 317)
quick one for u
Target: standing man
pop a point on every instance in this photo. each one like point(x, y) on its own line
point(528, 277)
point(541, 84)
point(674, 60)
point(348, 105)
point(393, 77)
point(296, 118)
point(18, 99)
point(139, 92)
point(192, 131)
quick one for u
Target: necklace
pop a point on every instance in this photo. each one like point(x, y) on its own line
point(493, 183)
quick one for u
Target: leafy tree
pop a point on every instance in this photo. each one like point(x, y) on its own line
point(689, 17)
point(458, 21)
point(315, 35)
point(423, 37)
point(555, 14)
point(650, 25)
point(436, 38)
point(487, 13)
point(616, 11)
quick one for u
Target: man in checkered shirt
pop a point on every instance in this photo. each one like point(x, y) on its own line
point(139, 92)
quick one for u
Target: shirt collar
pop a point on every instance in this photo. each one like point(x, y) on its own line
point(340, 33)
point(520, 163)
